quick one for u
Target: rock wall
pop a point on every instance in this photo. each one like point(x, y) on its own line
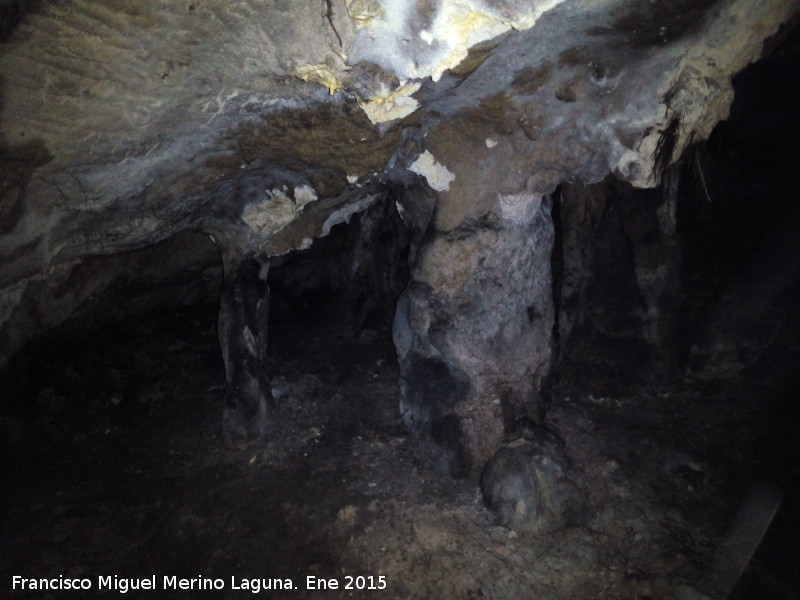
point(263, 123)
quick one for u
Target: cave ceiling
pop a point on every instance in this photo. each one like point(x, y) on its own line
point(264, 122)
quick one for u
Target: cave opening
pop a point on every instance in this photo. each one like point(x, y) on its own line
point(345, 286)
point(730, 351)
point(110, 407)
point(331, 307)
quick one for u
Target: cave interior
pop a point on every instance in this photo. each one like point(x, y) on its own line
point(668, 403)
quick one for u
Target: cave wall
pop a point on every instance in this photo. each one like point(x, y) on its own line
point(123, 125)
point(182, 270)
point(742, 220)
point(264, 124)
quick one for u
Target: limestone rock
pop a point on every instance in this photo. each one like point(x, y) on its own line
point(263, 123)
point(122, 125)
point(525, 484)
point(473, 334)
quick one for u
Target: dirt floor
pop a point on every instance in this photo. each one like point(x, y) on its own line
point(118, 469)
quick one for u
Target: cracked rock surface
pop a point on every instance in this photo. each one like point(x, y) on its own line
point(123, 125)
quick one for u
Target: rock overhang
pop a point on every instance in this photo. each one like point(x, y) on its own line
point(123, 126)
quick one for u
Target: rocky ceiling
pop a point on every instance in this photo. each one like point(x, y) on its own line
point(263, 123)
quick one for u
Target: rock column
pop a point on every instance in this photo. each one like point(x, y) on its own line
point(473, 330)
point(243, 314)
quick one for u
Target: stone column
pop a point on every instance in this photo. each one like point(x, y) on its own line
point(620, 283)
point(243, 314)
point(582, 213)
point(473, 330)
point(649, 218)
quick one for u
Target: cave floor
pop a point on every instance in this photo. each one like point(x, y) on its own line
point(121, 471)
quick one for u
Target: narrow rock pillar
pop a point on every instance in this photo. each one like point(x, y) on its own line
point(620, 282)
point(243, 314)
point(649, 218)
